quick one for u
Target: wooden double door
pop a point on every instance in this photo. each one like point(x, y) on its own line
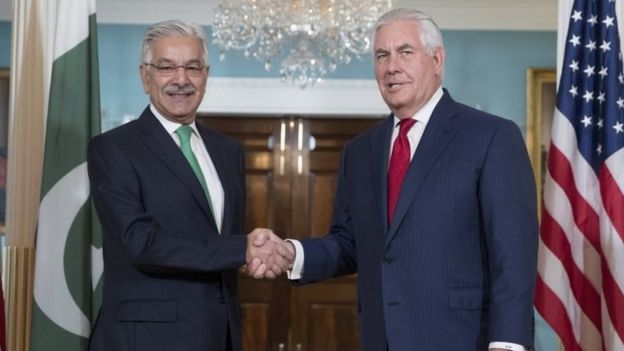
point(291, 182)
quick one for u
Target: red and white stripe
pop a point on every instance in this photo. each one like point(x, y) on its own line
point(580, 287)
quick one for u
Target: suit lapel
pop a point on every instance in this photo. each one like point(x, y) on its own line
point(161, 143)
point(437, 134)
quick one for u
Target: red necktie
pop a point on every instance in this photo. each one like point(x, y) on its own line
point(399, 163)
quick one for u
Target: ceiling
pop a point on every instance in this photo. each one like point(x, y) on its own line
point(450, 14)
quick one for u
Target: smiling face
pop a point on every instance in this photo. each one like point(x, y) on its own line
point(406, 75)
point(176, 96)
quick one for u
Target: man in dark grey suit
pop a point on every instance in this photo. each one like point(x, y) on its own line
point(435, 210)
point(170, 196)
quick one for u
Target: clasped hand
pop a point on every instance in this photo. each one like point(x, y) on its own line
point(267, 255)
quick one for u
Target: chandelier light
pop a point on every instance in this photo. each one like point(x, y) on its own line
point(318, 35)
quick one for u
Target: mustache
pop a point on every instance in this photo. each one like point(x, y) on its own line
point(179, 89)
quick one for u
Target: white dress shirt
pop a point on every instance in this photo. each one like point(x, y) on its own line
point(416, 132)
point(205, 163)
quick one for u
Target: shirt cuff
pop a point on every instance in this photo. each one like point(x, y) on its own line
point(506, 346)
point(297, 271)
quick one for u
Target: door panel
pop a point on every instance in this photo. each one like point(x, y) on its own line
point(257, 296)
point(324, 315)
point(328, 315)
point(291, 185)
point(323, 190)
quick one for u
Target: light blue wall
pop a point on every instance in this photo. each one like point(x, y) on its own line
point(487, 69)
point(5, 44)
point(483, 68)
point(120, 86)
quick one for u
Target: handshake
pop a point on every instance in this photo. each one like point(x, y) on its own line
point(267, 254)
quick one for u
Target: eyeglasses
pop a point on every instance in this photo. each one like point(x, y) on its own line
point(168, 69)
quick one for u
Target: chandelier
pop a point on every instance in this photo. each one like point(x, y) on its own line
point(319, 35)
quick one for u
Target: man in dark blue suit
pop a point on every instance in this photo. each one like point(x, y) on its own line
point(170, 197)
point(435, 210)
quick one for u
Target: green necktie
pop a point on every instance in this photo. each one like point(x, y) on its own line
point(184, 133)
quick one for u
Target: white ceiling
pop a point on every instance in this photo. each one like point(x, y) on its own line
point(450, 14)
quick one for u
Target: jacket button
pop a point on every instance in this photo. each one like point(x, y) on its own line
point(388, 259)
point(221, 300)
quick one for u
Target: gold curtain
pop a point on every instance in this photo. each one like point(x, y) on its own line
point(31, 62)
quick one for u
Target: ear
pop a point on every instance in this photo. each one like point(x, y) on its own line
point(145, 78)
point(438, 57)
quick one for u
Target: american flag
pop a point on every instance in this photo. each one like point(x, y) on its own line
point(581, 260)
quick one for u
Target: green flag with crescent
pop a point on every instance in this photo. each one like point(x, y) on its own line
point(68, 263)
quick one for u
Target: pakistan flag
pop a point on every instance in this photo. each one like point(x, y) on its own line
point(68, 263)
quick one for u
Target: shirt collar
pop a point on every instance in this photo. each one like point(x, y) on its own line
point(424, 114)
point(170, 126)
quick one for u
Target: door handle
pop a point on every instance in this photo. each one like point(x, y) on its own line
point(300, 147)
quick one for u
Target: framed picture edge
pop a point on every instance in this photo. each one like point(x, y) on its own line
point(5, 73)
point(536, 79)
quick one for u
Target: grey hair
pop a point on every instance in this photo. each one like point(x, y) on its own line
point(171, 28)
point(430, 34)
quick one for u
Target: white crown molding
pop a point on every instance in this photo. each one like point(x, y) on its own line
point(450, 14)
point(271, 96)
point(489, 14)
point(151, 11)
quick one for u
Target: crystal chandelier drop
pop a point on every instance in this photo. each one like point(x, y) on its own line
point(319, 35)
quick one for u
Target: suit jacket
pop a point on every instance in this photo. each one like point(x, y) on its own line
point(456, 268)
point(170, 278)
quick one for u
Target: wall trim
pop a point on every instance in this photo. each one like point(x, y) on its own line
point(270, 96)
